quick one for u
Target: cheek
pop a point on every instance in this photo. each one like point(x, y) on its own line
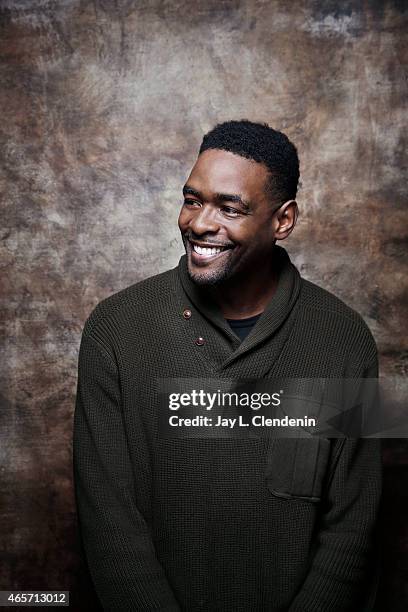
point(243, 233)
point(252, 239)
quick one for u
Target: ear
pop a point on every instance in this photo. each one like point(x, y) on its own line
point(285, 219)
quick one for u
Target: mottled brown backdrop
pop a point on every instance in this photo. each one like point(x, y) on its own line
point(103, 106)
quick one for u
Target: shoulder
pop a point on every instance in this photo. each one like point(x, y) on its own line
point(339, 320)
point(131, 303)
point(321, 300)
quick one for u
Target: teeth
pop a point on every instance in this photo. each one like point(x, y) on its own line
point(206, 251)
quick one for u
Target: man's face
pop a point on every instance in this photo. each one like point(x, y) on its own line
point(226, 219)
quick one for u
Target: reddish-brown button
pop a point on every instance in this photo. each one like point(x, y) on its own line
point(187, 313)
point(200, 341)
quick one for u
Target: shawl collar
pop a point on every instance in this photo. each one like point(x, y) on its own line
point(274, 315)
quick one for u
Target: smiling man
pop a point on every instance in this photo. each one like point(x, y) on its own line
point(219, 523)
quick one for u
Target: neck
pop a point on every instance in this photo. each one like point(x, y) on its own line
point(247, 296)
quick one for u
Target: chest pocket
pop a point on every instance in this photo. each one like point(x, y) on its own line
point(296, 468)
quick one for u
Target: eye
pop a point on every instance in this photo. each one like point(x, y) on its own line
point(230, 212)
point(189, 202)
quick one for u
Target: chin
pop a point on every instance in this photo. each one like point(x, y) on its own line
point(200, 278)
point(209, 277)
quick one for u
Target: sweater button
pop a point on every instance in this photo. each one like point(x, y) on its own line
point(187, 313)
point(200, 341)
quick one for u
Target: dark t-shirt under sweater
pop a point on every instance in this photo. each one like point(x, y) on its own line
point(242, 327)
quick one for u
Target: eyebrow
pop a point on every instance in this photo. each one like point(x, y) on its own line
point(219, 197)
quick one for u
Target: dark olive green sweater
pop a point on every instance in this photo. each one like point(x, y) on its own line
point(233, 525)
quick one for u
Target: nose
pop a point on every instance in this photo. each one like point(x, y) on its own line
point(204, 220)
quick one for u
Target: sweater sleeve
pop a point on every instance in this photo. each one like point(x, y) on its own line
point(120, 553)
point(342, 576)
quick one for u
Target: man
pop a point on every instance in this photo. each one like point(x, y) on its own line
point(221, 524)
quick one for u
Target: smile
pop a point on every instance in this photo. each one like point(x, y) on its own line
point(204, 253)
point(207, 251)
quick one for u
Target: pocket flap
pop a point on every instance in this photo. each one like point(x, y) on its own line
point(296, 468)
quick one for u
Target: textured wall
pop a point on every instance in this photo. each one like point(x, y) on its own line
point(103, 105)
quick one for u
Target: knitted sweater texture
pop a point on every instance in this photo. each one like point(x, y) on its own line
point(234, 525)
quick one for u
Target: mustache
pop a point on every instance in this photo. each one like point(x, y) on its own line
point(189, 235)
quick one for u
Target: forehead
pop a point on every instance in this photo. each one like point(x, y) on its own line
point(225, 172)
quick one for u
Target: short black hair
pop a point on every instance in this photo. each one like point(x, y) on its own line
point(265, 145)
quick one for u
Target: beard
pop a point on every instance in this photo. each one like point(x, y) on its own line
point(210, 277)
point(207, 276)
